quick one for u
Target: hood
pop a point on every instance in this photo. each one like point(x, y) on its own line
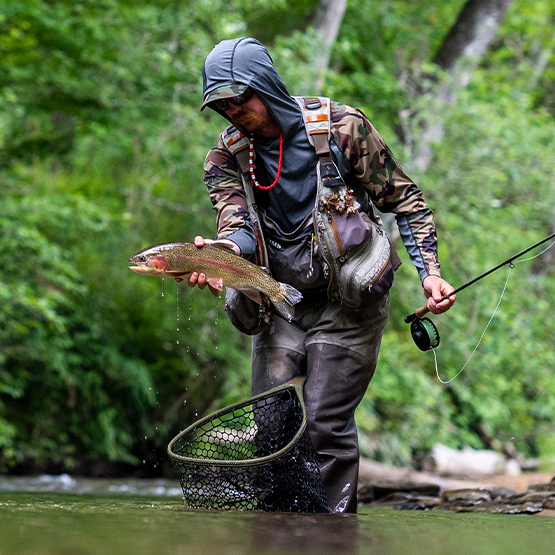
point(242, 62)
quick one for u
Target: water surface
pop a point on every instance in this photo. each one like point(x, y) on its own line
point(57, 522)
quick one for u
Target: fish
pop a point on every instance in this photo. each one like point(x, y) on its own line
point(222, 267)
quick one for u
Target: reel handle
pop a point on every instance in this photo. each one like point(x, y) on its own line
point(418, 314)
point(421, 312)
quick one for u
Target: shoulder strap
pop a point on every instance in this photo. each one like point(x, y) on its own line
point(238, 145)
point(316, 117)
point(317, 121)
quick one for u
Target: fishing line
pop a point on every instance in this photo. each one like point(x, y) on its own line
point(511, 268)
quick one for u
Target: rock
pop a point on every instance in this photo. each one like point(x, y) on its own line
point(383, 489)
point(496, 508)
point(550, 487)
point(529, 497)
point(498, 493)
point(470, 496)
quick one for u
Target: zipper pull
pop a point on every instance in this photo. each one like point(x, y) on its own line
point(311, 268)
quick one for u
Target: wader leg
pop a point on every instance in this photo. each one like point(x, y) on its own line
point(277, 357)
point(337, 381)
point(338, 353)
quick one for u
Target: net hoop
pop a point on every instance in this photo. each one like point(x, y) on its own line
point(296, 385)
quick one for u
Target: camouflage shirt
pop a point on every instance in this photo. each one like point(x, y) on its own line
point(371, 169)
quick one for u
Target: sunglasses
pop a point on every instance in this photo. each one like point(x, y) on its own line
point(222, 104)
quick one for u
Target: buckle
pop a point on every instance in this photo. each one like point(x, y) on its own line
point(312, 103)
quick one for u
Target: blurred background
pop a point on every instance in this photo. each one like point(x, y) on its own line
point(101, 151)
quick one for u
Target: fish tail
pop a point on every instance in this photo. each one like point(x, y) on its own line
point(288, 297)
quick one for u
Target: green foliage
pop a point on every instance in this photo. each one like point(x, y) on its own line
point(101, 152)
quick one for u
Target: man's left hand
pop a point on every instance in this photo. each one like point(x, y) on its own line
point(435, 288)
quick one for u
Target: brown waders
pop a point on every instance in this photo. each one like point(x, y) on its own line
point(337, 348)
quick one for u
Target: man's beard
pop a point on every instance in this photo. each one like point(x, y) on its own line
point(252, 122)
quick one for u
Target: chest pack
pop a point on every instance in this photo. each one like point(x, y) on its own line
point(357, 258)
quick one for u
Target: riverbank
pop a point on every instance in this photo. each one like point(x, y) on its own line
point(409, 489)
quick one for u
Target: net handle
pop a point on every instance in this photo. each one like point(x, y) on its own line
point(296, 384)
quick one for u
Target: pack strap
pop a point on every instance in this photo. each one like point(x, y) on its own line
point(316, 117)
point(237, 144)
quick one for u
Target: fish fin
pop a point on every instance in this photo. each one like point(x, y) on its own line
point(289, 297)
point(252, 294)
point(216, 283)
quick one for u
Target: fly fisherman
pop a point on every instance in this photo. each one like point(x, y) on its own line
point(295, 180)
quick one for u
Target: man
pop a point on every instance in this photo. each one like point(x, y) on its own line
point(334, 345)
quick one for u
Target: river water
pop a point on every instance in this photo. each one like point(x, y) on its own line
point(61, 515)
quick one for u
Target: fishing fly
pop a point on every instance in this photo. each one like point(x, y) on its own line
point(424, 332)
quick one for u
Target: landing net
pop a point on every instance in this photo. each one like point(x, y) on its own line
point(251, 455)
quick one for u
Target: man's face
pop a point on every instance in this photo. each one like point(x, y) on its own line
point(253, 117)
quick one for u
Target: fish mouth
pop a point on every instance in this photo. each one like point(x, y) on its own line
point(145, 270)
point(150, 271)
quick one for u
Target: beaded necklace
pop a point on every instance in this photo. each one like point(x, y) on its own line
point(251, 164)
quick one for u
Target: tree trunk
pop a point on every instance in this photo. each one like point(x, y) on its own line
point(459, 54)
point(469, 38)
point(326, 23)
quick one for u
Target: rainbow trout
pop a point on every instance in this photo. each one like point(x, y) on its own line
point(221, 266)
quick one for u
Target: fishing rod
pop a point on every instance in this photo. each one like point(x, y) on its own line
point(424, 333)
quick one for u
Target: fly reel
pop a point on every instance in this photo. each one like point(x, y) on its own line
point(423, 331)
point(424, 334)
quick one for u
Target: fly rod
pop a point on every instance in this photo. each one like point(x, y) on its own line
point(425, 334)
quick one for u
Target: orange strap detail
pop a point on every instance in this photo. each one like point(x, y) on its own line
point(317, 117)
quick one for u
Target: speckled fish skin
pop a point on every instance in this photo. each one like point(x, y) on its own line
point(222, 268)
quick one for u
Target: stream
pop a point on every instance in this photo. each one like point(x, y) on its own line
point(63, 515)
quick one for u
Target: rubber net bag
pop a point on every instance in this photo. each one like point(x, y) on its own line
point(252, 455)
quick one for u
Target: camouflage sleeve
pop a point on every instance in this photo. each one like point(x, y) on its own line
point(388, 187)
point(223, 181)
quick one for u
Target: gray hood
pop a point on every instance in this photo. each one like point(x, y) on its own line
point(245, 61)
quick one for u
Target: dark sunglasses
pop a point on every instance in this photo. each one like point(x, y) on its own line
point(222, 104)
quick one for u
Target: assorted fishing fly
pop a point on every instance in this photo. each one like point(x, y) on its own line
point(425, 334)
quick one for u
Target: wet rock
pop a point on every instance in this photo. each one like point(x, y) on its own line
point(549, 487)
point(500, 508)
point(529, 496)
point(383, 489)
point(422, 503)
point(495, 500)
point(498, 493)
point(378, 491)
point(467, 496)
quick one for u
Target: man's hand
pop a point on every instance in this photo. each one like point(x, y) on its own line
point(199, 279)
point(435, 288)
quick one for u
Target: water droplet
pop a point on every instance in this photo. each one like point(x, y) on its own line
point(163, 280)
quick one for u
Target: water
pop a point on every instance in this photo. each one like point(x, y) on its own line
point(148, 517)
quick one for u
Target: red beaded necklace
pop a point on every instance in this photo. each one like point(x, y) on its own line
point(251, 164)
